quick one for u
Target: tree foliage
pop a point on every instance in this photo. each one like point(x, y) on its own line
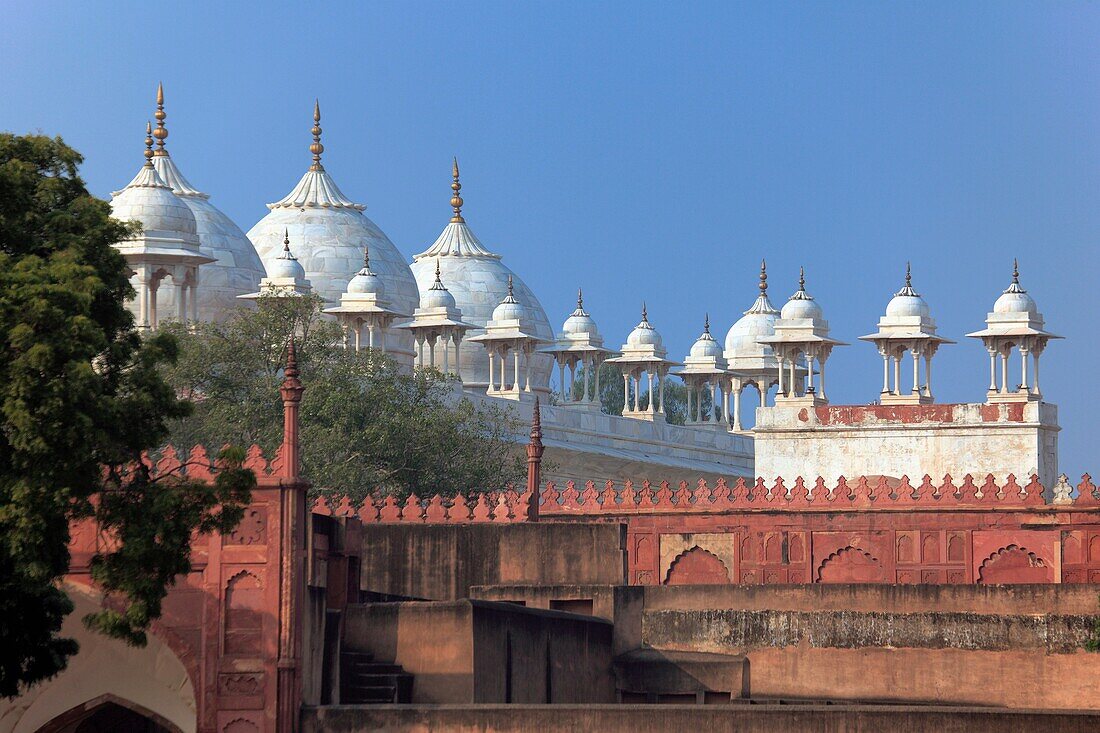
point(366, 425)
point(611, 393)
point(81, 397)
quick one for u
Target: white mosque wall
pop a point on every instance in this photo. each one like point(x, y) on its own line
point(591, 446)
point(909, 440)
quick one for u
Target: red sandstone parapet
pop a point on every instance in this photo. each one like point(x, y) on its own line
point(861, 494)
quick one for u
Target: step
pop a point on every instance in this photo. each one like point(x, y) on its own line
point(384, 695)
point(358, 668)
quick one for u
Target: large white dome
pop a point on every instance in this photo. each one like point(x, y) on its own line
point(236, 269)
point(478, 280)
point(329, 232)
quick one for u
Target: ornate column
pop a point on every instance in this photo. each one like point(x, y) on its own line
point(992, 368)
point(916, 371)
point(885, 370)
point(1023, 369)
point(534, 464)
point(737, 406)
point(626, 392)
point(291, 555)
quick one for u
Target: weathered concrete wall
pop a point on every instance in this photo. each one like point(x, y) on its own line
point(909, 440)
point(654, 719)
point(735, 630)
point(442, 562)
point(473, 651)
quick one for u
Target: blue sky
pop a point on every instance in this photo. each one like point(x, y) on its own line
point(641, 150)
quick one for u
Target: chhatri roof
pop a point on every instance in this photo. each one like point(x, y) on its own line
point(456, 239)
point(316, 189)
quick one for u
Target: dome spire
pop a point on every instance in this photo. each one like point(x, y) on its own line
point(316, 147)
point(438, 284)
point(510, 293)
point(456, 198)
point(148, 144)
point(1015, 286)
point(161, 133)
point(580, 299)
point(801, 294)
point(706, 324)
point(366, 257)
point(908, 289)
point(286, 246)
point(645, 316)
point(763, 277)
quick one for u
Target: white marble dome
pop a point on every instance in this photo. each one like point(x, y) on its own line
point(478, 280)
point(644, 335)
point(801, 308)
point(756, 323)
point(367, 282)
point(237, 268)
point(286, 266)
point(705, 346)
point(741, 339)
point(329, 232)
point(147, 199)
point(908, 306)
point(437, 296)
point(1015, 302)
point(580, 325)
point(510, 309)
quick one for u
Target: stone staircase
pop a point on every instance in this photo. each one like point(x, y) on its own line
point(363, 681)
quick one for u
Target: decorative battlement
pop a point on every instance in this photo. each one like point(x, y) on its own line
point(862, 494)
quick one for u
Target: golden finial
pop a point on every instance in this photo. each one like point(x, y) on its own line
point(1015, 272)
point(148, 144)
point(763, 277)
point(456, 199)
point(316, 148)
point(161, 133)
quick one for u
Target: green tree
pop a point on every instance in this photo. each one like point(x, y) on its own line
point(611, 393)
point(365, 425)
point(81, 397)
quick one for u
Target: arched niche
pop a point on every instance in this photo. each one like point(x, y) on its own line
point(150, 681)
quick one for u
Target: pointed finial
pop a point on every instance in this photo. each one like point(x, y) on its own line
point(801, 278)
point(161, 133)
point(510, 293)
point(706, 324)
point(456, 198)
point(437, 271)
point(366, 257)
point(148, 144)
point(763, 277)
point(536, 424)
point(316, 148)
point(645, 317)
point(1015, 272)
point(291, 369)
point(286, 241)
point(908, 276)
point(580, 299)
